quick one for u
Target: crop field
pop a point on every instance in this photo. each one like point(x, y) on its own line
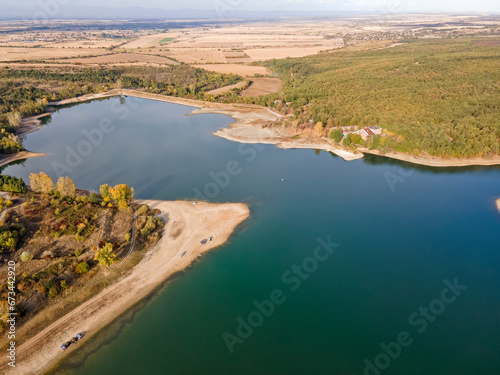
point(263, 86)
point(18, 53)
point(240, 69)
point(149, 40)
point(121, 58)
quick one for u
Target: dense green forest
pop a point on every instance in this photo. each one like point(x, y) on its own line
point(441, 97)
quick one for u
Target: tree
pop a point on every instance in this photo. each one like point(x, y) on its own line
point(104, 190)
point(356, 138)
point(41, 183)
point(319, 128)
point(122, 194)
point(347, 141)
point(14, 119)
point(66, 187)
point(105, 255)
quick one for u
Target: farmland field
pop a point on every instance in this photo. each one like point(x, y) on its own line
point(263, 86)
point(240, 69)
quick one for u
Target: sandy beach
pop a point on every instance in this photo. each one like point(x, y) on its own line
point(187, 224)
point(6, 159)
point(498, 204)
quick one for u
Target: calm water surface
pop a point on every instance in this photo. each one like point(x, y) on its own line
point(398, 246)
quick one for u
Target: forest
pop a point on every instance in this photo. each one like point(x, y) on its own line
point(438, 97)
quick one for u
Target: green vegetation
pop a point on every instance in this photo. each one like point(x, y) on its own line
point(105, 255)
point(10, 236)
point(440, 97)
point(166, 40)
point(122, 194)
point(336, 135)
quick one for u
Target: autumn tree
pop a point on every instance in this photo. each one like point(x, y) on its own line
point(65, 187)
point(104, 191)
point(319, 128)
point(105, 255)
point(14, 119)
point(41, 183)
point(122, 194)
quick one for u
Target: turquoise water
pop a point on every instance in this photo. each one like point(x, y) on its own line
point(398, 244)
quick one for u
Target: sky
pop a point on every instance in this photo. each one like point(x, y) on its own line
point(289, 5)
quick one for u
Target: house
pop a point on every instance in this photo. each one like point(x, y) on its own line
point(375, 129)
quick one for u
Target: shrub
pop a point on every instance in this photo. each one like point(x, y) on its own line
point(93, 198)
point(142, 210)
point(64, 284)
point(26, 256)
point(79, 237)
point(127, 237)
point(10, 236)
point(78, 252)
point(53, 292)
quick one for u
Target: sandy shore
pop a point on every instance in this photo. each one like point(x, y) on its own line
point(6, 159)
point(498, 204)
point(197, 221)
point(433, 161)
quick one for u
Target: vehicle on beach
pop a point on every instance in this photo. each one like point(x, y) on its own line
point(182, 254)
point(203, 242)
point(74, 340)
point(65, 345)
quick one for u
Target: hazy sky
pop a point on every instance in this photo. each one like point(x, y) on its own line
point(359, 5)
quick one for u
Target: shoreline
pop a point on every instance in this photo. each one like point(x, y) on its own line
point(198, 221)
point(249, 126)
point(7, 159)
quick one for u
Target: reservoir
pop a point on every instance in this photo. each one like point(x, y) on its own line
point(381, 267)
